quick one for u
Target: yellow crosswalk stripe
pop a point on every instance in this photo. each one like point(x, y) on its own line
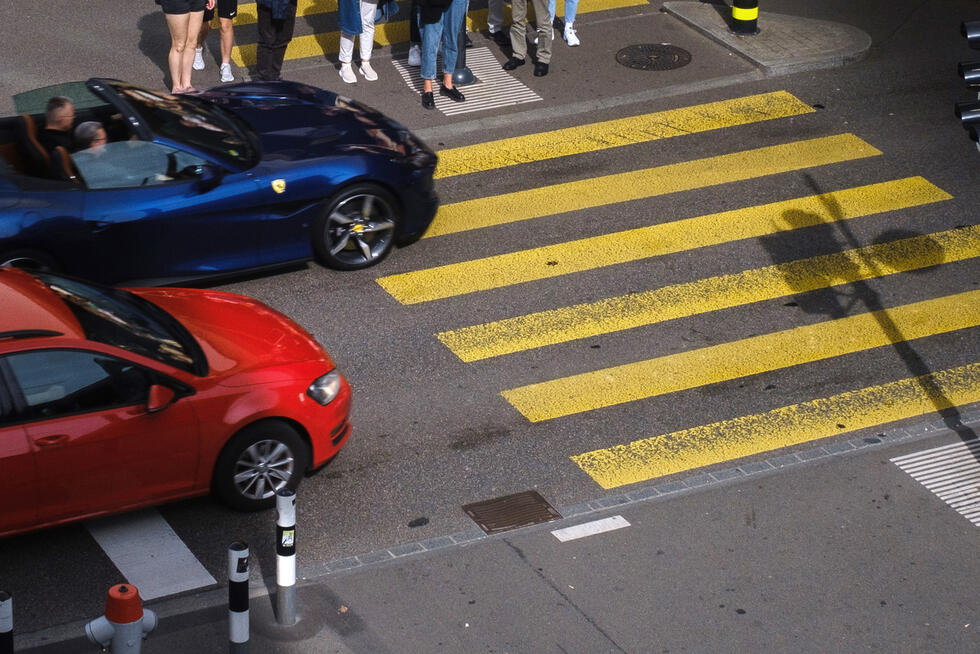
point(650, 182)
point(324, 43)
point(617, 133)
point(644, 242)
point(248, 13)
point(650, 458)
point(667, 303)
point(783, 349)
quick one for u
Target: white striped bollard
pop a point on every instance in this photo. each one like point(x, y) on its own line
point(286, 556)
point(6, 623)
point(238, 629)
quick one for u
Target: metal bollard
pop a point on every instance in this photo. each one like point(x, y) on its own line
point(238, 630)
point(462, 76)
point(125, 623)
point(745, 17)
point(286, 556)
point(6, 623)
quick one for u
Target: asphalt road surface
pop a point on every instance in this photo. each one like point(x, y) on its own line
point(739, 268)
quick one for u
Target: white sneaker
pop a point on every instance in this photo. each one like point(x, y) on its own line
point(347, 73)
point(198, 59)
point(367, 71)
point(226, 75)
point(570, 37)
point(415, 55)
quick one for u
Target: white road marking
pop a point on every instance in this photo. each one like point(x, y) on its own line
point(590, 528)
point(149, 554)
point(495, 88)
point(952, 472)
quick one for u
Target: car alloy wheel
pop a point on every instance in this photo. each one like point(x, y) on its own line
point(262, 459)
point(357, 229)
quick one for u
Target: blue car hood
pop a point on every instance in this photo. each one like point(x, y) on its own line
point(307, 122)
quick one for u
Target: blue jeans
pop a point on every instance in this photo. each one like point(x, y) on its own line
point(571, 6)
point(446, 33)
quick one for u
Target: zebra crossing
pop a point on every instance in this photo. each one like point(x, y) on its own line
point(867, 326)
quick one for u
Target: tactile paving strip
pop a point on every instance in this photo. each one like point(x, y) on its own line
point(952, 472)
point(495, 88)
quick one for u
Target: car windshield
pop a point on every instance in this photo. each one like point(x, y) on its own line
point(188, 120)
point(122, 319)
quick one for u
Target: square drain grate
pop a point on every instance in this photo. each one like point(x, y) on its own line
point(511, 512)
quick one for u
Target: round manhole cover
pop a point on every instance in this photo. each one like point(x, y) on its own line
point(653, 56)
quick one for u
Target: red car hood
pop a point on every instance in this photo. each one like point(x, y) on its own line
point(239, 334)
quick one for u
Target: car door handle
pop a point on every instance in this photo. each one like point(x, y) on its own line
point(54, 439)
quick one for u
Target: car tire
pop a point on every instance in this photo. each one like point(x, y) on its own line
point(258, 461)
point(33, 260)
point(356, 228)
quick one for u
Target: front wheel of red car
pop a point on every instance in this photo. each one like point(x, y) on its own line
point(258, 461)
point(357, 228)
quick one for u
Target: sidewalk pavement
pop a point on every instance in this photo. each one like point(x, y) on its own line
point(589, 77)
point(652, 586)
point(833, 549)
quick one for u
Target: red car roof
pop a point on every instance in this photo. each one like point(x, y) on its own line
point(27, 303)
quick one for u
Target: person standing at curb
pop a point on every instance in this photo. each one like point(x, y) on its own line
point(568, 33)
point(184, 18)
point(227, 9)
point(440, 22)
point(518, 38)
point(356, 17)
point(495, 22)
point(276, 21)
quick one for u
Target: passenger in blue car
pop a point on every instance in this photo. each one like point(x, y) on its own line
point(59, 116)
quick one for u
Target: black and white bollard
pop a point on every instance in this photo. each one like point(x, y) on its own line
point(286, 556)
point(238, 629)
point(6, 623)
point(125, 623)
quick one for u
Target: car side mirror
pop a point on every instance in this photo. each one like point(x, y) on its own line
point(210, 177)
point(159, 398)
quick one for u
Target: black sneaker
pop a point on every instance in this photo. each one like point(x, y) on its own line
point(453, 94)
point(428, 102)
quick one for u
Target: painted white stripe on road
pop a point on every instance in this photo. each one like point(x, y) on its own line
point(590, 528)
point(149, 554)
point(956, 480)
point(494, 87)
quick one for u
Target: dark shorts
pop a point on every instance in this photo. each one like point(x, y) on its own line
point(226, 9)
point(181, 6)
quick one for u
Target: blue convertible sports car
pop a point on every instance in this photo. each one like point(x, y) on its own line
point(240, 177)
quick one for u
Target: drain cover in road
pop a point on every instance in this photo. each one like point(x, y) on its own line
point(511, 512)
point(653, 56)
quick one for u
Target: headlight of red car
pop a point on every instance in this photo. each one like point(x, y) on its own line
point(325, 388)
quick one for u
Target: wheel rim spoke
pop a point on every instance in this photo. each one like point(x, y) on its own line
point(365, 247)
point(341, 243)
point(367, 207)
point(378, 226)
point(263, 468)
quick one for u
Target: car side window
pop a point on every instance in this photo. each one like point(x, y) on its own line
point(125, 164)
point(64, 382)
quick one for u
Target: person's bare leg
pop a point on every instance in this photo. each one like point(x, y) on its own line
point(447, 80)
point(194, 21)
point(227, 39)
point(177, 23)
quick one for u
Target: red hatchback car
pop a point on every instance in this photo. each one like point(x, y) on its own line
point(112, 399)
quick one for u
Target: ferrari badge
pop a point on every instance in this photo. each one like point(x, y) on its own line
point(279, 185)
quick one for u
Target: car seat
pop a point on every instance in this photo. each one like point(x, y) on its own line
point(34, 158)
